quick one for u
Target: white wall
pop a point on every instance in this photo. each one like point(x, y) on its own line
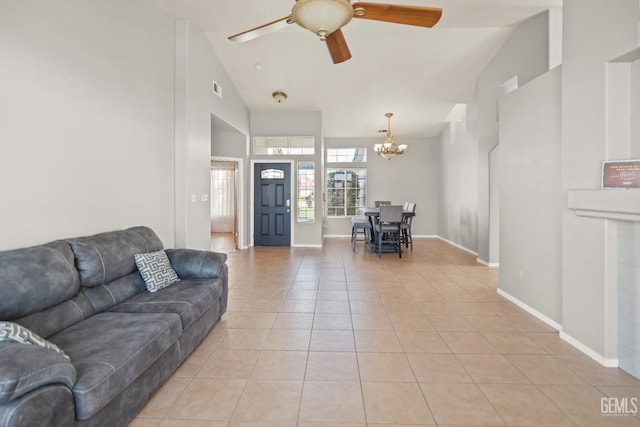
point(524, 55)
point(86, 111)
point(458, 190)
point(197, 67)
point(628, 296)
point(464, 197)
point(635, 110)
point(530, 195)
point(587, 48)
point(412, 177)
point(106, 121)
point(228, 144)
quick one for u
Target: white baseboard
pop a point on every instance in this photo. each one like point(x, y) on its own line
point(478, 260)
point(458, 246)
point(555, 325)
point(604, 361)
point(488, 264)
point(307, 246)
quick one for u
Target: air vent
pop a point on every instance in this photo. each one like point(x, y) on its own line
point(217, 89)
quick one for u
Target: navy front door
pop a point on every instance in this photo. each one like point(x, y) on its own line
point(272, 204)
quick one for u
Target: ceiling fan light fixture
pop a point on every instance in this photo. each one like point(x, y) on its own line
point(279, 96)
point(322, 17)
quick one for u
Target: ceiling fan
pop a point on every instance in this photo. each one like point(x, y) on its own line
point(326, 18)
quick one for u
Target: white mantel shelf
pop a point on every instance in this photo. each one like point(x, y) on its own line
point(617, 204)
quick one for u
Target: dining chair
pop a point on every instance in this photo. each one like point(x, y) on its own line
point(388, 232)
point(379, 203)
point(405, 227)
point(360, 225)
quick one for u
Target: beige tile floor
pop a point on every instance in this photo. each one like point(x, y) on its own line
point(330, 338)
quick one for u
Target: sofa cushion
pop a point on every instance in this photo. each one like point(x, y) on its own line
point(188, 298)
point(196, 264)
point(110, 350)
point(26, 368)
point(54, 319)
point(106, 296)
point(36, 278)
point(156, 270)
point(14, 333)
point(108, 256)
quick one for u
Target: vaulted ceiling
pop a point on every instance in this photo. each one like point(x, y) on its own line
point(419, 74)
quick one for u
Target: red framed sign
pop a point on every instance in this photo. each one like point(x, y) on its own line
point(621, 174)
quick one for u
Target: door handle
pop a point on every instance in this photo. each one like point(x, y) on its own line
point(288, 203)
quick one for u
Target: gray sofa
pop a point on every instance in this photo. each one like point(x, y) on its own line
point(86, 296)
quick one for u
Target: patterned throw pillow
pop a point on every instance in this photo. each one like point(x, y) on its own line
point(12, 332)
point(156, 270)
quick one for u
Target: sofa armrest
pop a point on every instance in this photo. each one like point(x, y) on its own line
point(24, 368)
point(194, 264)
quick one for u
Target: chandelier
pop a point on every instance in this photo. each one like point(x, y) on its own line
point(389, 147)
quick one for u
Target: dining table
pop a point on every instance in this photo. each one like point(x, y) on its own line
point(372, 215)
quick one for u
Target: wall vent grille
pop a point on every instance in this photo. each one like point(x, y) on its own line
point(217, 89)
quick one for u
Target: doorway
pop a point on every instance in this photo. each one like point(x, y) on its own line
point(224, 202)
point(272, 204)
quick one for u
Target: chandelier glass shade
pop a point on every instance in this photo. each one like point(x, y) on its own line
point(389, 148)
point(322, 17)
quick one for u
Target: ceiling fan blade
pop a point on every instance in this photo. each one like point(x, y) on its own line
point(338, 47)
point(267, 28)
point(410, 15)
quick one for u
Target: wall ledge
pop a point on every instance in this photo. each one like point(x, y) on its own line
point(616, 204)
